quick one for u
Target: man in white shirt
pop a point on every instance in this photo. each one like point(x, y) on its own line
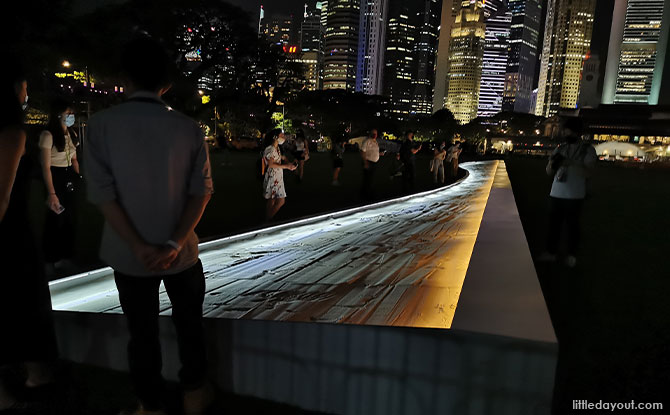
point(370, 154)
point(569, 165)
point(148, 171)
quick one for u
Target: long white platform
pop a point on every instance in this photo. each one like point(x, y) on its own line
point(425, 304)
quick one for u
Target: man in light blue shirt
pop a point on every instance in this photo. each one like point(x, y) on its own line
point(148, 170)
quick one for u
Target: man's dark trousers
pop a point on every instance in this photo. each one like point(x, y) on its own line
point(140, 302)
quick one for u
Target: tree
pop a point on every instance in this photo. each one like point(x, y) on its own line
point(438, 127)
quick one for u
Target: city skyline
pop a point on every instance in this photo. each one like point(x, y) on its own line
point(367, 68)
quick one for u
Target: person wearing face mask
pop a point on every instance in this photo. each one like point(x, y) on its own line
point(437, 166)
point(28, 342)
point(60, 170)
point(569, 165)
point(273, 182)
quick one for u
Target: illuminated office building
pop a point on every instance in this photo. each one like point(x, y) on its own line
point(466, 53)
point(311, 46)
point(279, 30)
point(524, 52)
point(494, 65)
point(410, 57)
point(341, 44)
point(449, 10)
point(371, 42)
point(637, 48)
point(567, 40)
point(399, 59)
point(427, 15)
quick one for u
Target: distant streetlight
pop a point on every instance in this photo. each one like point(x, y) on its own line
point(66, 64)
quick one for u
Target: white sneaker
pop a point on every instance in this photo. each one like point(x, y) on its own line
point(570, 261)
point(547, 257)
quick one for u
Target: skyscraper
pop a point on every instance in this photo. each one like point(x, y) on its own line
point(279, 29)
point(466, 53)
point(449, 10)
point(410, 57)
point(524, 49)
point(637, 48)
point(494, 66)
point(567, 40)
point(311, 47)
point(341, 44)
point(371, 46)
point(427, 24)
point(399, 58)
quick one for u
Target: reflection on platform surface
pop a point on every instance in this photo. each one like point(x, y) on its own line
point(452, 258)
point(397, 264)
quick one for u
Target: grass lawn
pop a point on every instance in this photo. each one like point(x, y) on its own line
point(611, 313)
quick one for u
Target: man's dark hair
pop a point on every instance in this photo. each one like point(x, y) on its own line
point(11, 77)
point(147, 64)
point(574, 124)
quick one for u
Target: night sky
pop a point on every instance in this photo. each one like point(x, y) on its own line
point(272, 7)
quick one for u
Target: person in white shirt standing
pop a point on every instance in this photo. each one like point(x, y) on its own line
point(148, 171)
point(569, 165)
point(370, 154)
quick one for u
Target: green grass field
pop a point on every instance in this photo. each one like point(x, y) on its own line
point(611, 313)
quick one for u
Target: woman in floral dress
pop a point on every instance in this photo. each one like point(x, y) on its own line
point(273, 182)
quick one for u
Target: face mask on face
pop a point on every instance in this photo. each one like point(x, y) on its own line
point(69, 120)
point(25, 103)
point(281, 140)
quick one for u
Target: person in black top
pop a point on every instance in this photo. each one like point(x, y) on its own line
point(28, 336)
point(408, 151)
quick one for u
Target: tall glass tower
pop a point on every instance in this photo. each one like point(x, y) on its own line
point(637, 48)
point(524, 51)
point(410, 56)
point(466, 53)
point(494, 67)
point(371, 42)
point(341, 44)
point(567, 41)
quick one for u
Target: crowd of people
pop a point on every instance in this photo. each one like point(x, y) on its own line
point(273, 162)
point(148, 172)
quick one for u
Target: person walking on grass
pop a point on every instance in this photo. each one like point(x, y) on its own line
point(337, 154)
point(28, 344)
point(408, 150)
point(569, 165)
point(437, 164)
point(148, 171)
point(60, 171)
point(301, 153)
point(274, 191)
point(370, 154)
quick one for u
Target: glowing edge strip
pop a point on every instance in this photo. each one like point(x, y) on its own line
point(206, 246)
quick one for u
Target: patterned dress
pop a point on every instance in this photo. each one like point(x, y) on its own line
point(273, 183)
